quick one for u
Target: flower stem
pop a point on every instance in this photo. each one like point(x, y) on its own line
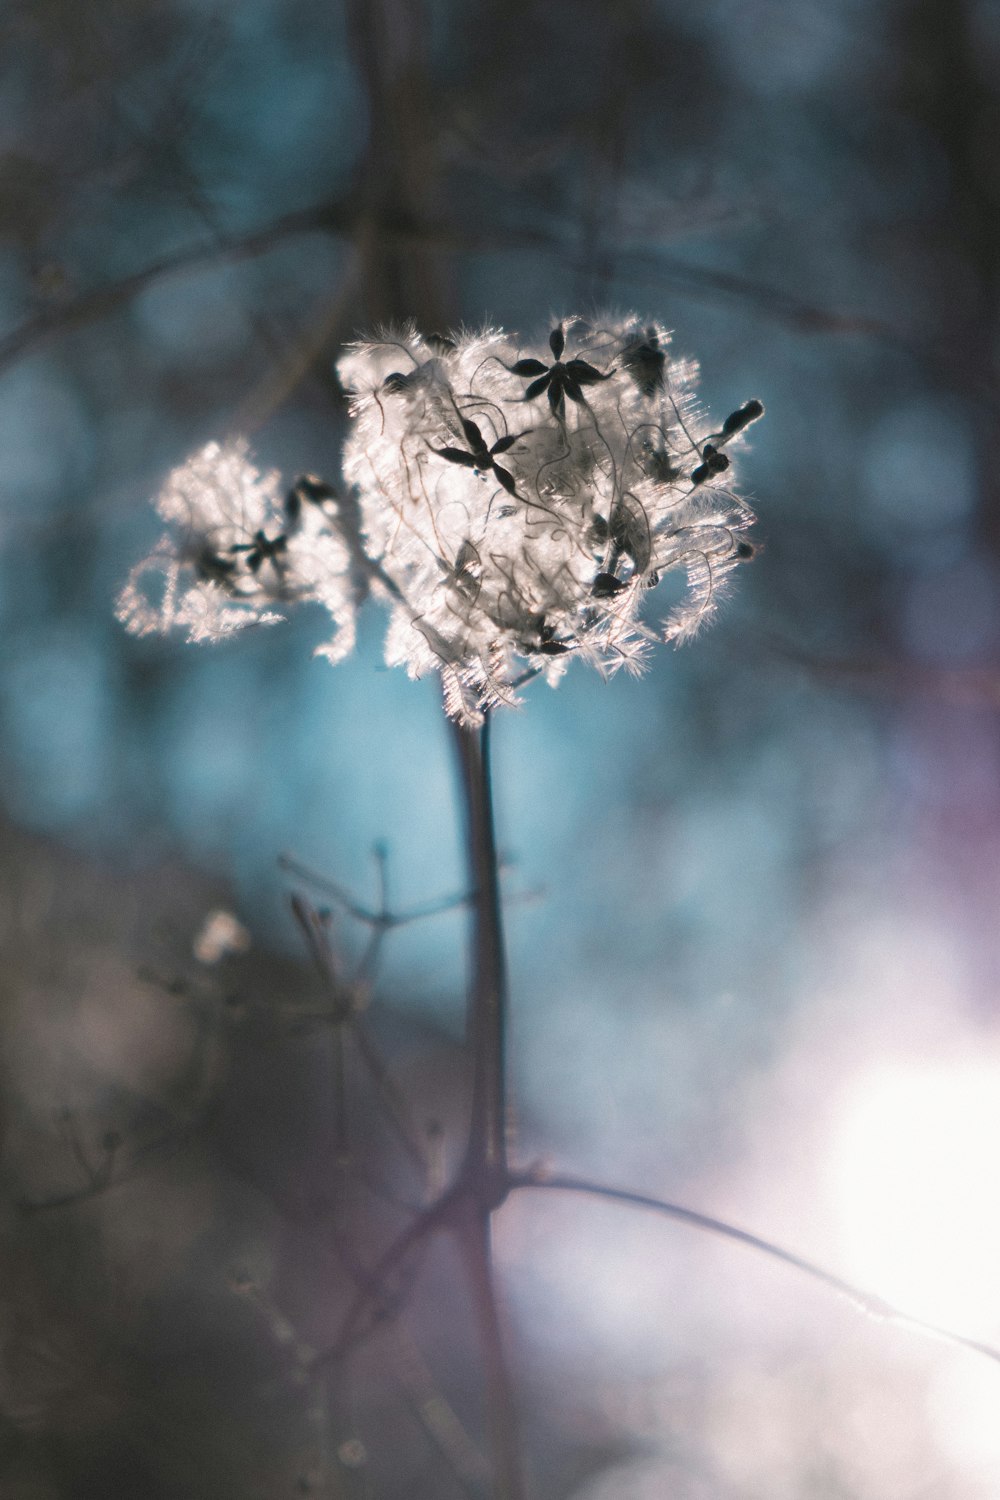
point(485, 1166)
point(474, 1239)
point(484, 1178)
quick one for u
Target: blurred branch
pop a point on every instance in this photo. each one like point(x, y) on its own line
point(339, 218)
point(867, 1302)
point(965, 687)
point(786, 307)
point(109, 1176)
point(425, 1398)
point(437, 1416)
point(330, 217)
point(452, 1210)
point(324, 329)
point(383, 917)
point(344, 1013)
point(372, 1304)
point(118, 1165)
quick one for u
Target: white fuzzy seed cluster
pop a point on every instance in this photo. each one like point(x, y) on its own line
point(511, 507)
point(239, 554)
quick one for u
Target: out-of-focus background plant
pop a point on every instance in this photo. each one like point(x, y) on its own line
point(762, 975)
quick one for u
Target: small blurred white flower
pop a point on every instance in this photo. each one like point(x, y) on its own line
point(510, 507)
point(236, 550)
point(220, 935)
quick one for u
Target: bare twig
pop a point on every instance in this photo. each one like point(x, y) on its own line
point(344, 1014)
point(367, 915)
point(339, 218)
point(372, 1297)
point(101, 1182)
point(330, 217)
point(867, 1302)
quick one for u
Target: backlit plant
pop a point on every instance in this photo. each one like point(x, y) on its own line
point(513, 508)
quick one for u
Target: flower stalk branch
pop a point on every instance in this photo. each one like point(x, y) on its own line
point(485, 1165)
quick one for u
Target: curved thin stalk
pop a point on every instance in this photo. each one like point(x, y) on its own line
point(868, 1302)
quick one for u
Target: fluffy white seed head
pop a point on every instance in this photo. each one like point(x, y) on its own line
point(237, 554)
point(511, 506)
point(522, 500)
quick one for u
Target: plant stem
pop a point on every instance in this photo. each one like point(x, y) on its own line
point(483, 1180)
point(475, 1245)
point(485, 1163)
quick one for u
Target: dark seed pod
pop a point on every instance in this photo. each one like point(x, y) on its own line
point(440, 343)
point(396, 383)
point(315, 490)
point(527, 367)
point(307, 488)
point(749, 412)
point(619, 529)
point(606, 585)
point(713, 462)
point(473, 436)
point(213, 568)
point(658, 466)
point(745, 550)
point(548, 645)
point(645, 363)
point(506, 479)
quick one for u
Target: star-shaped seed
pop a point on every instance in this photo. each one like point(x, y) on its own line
point(559, 379)
point(480, 457)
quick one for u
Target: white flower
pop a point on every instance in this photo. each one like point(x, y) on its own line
point(236, 550)
point(511, 507)
point(520, 502)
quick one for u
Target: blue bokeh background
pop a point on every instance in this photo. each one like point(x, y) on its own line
point(771, 861)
